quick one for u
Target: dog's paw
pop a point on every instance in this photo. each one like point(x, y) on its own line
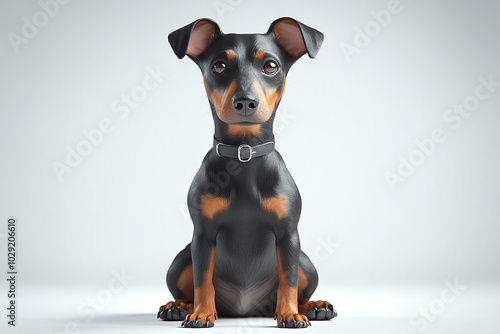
point(320, 310)
point(174, 311)
point(197, 320)
point(292, 320)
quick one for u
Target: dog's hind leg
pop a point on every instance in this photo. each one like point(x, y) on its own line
point(180, 284)
point(308, 281)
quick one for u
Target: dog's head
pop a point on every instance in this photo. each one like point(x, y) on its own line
point(245, 74)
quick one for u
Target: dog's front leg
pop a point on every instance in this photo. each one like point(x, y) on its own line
point(287, 254)
point(203, 256)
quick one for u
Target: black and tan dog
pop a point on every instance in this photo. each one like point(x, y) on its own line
point(244, 259)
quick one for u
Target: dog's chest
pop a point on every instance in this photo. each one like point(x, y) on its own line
point(250, 192)
point(245, 196)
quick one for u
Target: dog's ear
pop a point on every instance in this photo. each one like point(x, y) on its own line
point(296, 38)
point(195, 38)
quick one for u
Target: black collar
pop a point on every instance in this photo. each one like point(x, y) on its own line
point(244, 152)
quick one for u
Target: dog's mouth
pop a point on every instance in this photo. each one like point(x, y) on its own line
point(231, 117)
point(246, 123)
point(243, 128)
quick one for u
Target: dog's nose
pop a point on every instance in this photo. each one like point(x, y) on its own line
point(245, 106)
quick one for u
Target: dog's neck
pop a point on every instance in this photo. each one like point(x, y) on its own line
point(252, 135)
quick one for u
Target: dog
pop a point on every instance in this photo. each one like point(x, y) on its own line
point(244, 259)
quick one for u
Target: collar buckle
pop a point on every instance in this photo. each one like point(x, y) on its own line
point(250, 150)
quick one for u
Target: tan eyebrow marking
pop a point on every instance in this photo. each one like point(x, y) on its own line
point(260, 54)
point(231, 55)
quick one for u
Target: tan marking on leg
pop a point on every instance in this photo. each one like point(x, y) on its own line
point(303, 283)
point(204, 295)
point(287, 303)
point(185, 284)
point(287, 295)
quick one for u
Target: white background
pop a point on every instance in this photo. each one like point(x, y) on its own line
point(384, 254)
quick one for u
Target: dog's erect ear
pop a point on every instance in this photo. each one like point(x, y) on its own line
point(194, 39)
point(296, 38)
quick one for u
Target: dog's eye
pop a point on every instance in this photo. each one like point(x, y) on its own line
point(219, 67)
point(270, 67)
